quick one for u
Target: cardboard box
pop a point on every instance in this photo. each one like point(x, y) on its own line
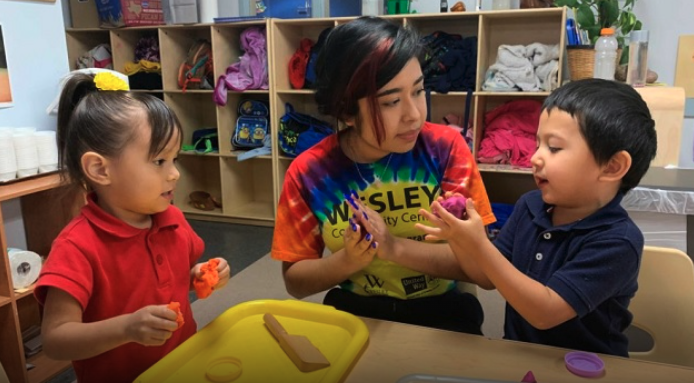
point(129, 13)
point(84, 14)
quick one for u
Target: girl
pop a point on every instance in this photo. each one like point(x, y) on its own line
point(392, 162)
point(114, 268)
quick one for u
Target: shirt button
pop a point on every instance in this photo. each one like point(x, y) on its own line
point(547, 235)
point(538, 256)
point(160, 259)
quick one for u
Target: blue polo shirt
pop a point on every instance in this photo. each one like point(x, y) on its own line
point(592, 264)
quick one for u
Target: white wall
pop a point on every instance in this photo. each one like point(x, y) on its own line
point(666, 20)
point(37, 58)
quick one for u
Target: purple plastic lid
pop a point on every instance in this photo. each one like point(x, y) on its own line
point(584, 364)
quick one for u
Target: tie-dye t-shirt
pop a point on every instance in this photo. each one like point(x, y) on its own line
point(313, 214)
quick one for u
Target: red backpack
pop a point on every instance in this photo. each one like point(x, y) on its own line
point(197, 71)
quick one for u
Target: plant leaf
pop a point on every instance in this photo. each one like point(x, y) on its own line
point(568, 3)
point(585, 17)
point(608, 13)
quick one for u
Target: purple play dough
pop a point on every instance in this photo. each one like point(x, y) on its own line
point(455, 205)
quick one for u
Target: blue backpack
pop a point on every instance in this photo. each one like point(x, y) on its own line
point(299, 131)
point(251, 125)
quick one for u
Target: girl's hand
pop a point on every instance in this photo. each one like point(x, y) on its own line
point(151, 325)
point(360, 247)
point(447, 227)
point(224, 272)
point(374, 224)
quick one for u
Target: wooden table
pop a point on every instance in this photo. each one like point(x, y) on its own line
point(396, 350)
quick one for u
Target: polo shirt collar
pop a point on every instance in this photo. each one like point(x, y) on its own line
point(116, 227)
point(607, 215)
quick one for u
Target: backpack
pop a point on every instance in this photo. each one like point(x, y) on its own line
point(251, 125)
point(310, 76)
point(299, 131)
point(197, 72)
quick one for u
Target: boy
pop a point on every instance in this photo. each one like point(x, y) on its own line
point(568, 258)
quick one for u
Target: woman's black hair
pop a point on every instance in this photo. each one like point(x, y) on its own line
point(358, 59)
point(104, 122)
point(612, 117)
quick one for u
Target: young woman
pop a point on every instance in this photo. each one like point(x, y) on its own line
point(387, 157)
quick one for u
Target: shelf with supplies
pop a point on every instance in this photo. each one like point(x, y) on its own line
point(249, 189)
point(46, 208)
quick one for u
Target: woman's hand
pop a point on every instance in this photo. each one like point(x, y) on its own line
point(374, 224)
point(151, 325)
point(360, 247)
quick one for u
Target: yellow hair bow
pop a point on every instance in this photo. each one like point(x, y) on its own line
point(109, 81)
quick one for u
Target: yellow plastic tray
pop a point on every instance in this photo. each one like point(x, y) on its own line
point(240, 333)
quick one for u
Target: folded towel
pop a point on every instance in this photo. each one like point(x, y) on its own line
point(540, 54)
point(522, 77)
point(512, 56)
point(496, 81)
point(548, 74)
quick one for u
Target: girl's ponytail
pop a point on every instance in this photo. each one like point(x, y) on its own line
point(76, 88)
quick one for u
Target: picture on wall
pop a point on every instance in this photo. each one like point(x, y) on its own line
point(5, 89)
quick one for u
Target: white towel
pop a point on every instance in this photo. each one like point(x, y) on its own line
point(512, 56)
point(523, 77)
point(540, 54)
point(548, 74)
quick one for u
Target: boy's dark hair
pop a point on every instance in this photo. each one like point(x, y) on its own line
point(358, 59)
point(612, 117)
point(104, 122)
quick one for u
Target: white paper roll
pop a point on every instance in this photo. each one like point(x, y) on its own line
point(208, 10)
point(25, 267)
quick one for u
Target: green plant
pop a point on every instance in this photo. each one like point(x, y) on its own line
point(593, 15)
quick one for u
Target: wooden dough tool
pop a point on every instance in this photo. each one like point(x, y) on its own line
point(299, 348)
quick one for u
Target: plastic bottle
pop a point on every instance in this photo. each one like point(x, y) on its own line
point(605, 55)
point(369, 8)
point(638, 58)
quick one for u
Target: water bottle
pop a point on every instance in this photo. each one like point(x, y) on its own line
point(638, 58)
point(605, 55)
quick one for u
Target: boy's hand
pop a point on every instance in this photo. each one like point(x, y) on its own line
point(448, 227)
point(151, 325)
point(360, 248)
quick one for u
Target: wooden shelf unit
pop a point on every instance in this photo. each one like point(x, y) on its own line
point(46, 208)
point(249, 190)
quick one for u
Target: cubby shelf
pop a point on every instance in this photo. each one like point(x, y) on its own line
point(46, 208)
point(248, 194)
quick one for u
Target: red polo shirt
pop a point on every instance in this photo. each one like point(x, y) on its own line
point(112, 268)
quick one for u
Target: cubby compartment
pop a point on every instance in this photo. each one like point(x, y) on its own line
point(445, 104)
point(465, 25)
point(123, 43)
point(80, 41)
point(194, 111)
point(228, 38)
point(174, 43)
point(198, 173)
point(286, 37)
point(247, 186)
point(303, 102)
point(11, 353)
point(228, 115)
point(545, 26)
point(486, 104)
